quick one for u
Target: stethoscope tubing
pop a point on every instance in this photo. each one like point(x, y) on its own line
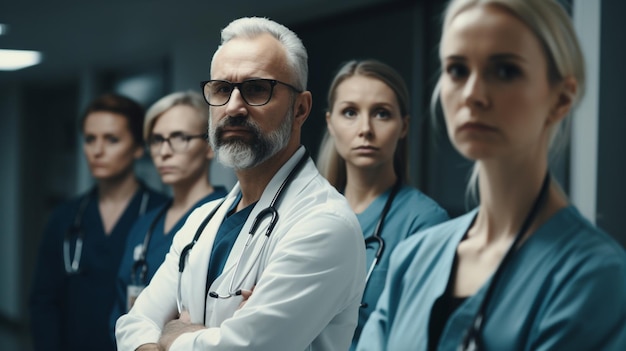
point(72, 264)
point(471, 340)
point(141, 263)
point(270, 210)
point(376, 235)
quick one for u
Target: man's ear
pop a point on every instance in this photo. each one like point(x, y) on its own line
point(329, 125)
point(564, 100)
point(302, 107)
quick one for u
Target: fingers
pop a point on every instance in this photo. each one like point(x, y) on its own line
point(246, 294)
point(185, 317)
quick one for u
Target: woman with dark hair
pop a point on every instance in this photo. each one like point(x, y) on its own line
point(81, 248)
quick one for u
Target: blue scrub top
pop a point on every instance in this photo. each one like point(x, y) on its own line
point(410, 212)
point(71, 312)
point(564, 289)
point(158, 247)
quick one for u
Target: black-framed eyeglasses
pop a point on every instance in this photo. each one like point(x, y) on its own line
point(255, 92)
point(178, 141)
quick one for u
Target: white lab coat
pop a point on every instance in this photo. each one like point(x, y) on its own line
point(308, 280)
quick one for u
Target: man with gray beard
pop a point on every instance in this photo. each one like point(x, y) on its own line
point(239, 154)
point(282, 231)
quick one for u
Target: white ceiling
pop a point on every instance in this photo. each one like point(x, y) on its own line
point(80, 34)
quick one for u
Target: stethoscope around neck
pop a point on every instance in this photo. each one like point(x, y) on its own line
point(141, 264)
point(376, 238)
point(72, 264)
point(234, 287)
point(472, 340)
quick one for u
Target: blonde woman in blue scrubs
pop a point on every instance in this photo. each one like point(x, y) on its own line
point(525, 270)
point(364, 156)
point(176, 132)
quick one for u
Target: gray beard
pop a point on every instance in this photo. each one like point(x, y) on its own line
point(240, 154)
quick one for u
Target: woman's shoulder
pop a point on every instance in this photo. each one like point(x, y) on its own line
point(146, 219)
point(156, 198)
point(420, 210)
point(437, 237)
point(579, 239)
point(422, 202)
point(69, 207)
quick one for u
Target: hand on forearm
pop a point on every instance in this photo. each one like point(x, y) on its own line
point(245, 294)
point(175, 328)
point(148, 347)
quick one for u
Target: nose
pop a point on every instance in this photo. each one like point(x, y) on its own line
point(475, 92)
point(98, 147)
point(165, 149)
point(365, 126)
point(236, 106)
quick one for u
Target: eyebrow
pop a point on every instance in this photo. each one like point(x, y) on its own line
point(172, 133)
point(375, 104)
point(386, 105)
point(494, 57)
point(506, 57)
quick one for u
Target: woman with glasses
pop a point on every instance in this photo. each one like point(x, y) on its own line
point(73, 287)
point(364, 155)
point(525, 270)
point(176, 131)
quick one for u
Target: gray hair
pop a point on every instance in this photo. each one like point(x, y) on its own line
point(189, 98)
point(252, 27)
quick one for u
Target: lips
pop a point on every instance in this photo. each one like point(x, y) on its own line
point(235, 130)
point(166, 169)
point(366, 147)
point(476, 126)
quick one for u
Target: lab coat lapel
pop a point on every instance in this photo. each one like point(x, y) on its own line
point(263, 203)
point(217, 310)
point(195, 273)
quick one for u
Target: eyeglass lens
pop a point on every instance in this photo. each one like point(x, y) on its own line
point(255, 92)
point(177, 142)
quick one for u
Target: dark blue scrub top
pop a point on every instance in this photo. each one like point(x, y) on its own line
point(71, 312)
point(158, 247)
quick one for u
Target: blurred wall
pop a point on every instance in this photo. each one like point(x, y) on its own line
point(611, 183)
point(10, 154)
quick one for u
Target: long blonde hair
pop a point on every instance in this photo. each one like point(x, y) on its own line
point(553, 27)
point(329, 162)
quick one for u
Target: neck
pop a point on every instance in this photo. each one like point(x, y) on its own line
point(365, 185)
point(189, 193)
point(253, 181)
point(118, 189)
point(507, 194)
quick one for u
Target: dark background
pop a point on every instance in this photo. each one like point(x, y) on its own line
point(147, 49)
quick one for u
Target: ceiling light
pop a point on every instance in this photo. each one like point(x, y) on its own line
point(12, 60)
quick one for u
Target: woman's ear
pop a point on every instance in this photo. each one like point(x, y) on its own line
point(210, 154)
point(567, 90)
point(138, 152)
point(405, 126)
